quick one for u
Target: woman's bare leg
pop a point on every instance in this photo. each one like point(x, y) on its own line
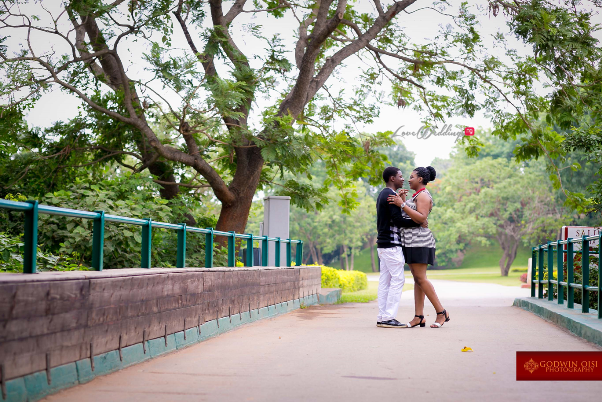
point(419, 272)
point(418, 302)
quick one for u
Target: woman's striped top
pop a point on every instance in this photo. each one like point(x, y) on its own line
point(419, 236)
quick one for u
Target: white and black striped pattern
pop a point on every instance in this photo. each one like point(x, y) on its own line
point(395, 234)
point(419, 236)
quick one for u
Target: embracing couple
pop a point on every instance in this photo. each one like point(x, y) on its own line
point(404, 237)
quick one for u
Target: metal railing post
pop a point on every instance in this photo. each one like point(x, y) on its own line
point(147, 240)
point(98, 241)
point(277, 252)
point(299, 254)
point(289, 253)
point(30, 248)
point(570, 297)
point(249, 262)
point(533, 269)
point(265, 246)
point(209, 248)
point(560, 269)
point(585, 272)
point(181, 253)
point(550, 271)
point(540, 274)
point(232, 249)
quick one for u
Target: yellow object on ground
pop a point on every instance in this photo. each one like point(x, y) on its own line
point(467, 349)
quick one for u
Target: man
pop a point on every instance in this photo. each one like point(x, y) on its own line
point(392, 278)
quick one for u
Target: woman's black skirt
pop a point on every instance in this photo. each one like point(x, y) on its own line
point(419, 255)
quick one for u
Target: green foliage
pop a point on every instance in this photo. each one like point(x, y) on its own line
point(67, 242)
point(486, 198)
point(348, 281)
point(569, 119)
point(11, 258)
point(330, 278)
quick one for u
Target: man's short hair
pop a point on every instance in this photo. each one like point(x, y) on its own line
point(390, 172)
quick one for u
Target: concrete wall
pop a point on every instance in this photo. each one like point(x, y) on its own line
point(51, 319)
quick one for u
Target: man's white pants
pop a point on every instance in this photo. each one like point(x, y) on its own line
point(391, 282)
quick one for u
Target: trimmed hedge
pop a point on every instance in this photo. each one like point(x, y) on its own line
point(348, 281)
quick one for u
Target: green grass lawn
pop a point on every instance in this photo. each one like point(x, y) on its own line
point(366, 295)
point(479, 275)
point(476, 257)
point(489, 256)
point(480, 265)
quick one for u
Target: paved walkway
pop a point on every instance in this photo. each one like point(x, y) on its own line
point(336, 353)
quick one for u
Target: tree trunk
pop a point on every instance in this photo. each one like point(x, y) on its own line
point(320, 257)
point(234, 216)
point(509, 247)
point(372, 261)
point(511, 255)
point(352, 259)
point(346, 258)
point(314, 254)
point(341, 257)
point(306, 259)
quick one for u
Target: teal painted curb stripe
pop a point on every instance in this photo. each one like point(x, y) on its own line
point(84, 371)
point(192, 337)
point(134, 354)
point(245, 318)
point(262, 313)
point(586, 326)
point(158, 346)
point(235, 320)
point(224, 324)
point(35, 386)
point(209, 330)
point(15, 390)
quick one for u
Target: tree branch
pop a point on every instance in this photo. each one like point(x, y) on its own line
point(234, 11)
point(363, 40)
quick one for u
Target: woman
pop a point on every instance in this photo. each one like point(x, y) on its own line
point(418, 244)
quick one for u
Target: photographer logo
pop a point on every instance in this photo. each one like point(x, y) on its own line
point(531, 366)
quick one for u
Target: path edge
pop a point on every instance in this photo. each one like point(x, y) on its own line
point(584, 325)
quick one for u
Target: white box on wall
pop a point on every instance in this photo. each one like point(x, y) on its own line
point(276, 223)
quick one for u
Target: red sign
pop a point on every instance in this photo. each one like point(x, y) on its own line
point(469, 131)
point(558, 366)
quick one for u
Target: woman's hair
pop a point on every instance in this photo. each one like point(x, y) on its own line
point(427, 173)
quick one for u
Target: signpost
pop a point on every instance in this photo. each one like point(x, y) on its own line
point(576, 232)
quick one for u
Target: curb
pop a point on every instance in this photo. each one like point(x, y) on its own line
point(33, 387)
point(329, 296)
point(584, 325)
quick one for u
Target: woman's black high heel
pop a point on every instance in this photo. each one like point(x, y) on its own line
point(421, 323)
point(444, 313)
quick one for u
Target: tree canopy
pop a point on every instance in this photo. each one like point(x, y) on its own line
point(169, 87)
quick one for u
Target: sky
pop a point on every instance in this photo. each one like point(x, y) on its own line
point(422, 26)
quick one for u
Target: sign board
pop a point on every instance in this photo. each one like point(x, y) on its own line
point(576, 232)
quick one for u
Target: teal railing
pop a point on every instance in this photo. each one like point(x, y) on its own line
point(568, 283)
point(32, 209)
